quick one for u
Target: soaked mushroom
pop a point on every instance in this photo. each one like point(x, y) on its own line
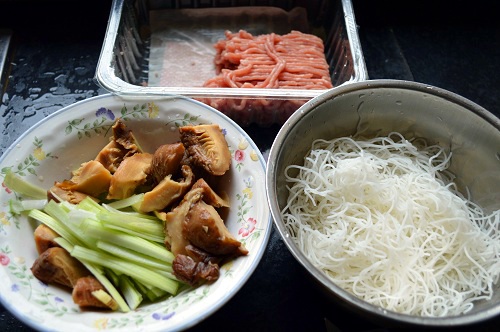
point(194, 231)
point(167, 191)
point(201, 255)
point(131, 173)
point(92, 178)
point(56, 265)
point(61, 191)
point(174, 220)
point(194, 271)
point(210, 196)
point(44, 238)
point(204, 228)
point(198, 237)
point(166, 160)
point(207, 148)
point(191, 265)
point(123, 144)
point(84, 290)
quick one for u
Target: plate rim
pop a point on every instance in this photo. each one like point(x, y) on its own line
point(17, 312)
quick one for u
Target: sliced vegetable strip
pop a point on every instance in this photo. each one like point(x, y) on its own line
point(123, 250)
point(98, 273)
point(140, 273)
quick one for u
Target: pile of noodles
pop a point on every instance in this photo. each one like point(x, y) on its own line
point(382, 219)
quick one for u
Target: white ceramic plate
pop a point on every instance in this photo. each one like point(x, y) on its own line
point(59, 144)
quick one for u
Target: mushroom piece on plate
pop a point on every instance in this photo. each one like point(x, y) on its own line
point(122, 145)
point(86, 294)
point(56, 265)
point(167, 191)
point(166, 161)
point(44, 238)
point(131, 173)
point(207, 148)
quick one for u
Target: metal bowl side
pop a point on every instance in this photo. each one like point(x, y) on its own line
point(379, 107)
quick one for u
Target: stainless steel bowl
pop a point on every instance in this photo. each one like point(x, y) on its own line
point(379, 107)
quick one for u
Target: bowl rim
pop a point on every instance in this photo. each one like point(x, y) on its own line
point(360, 305)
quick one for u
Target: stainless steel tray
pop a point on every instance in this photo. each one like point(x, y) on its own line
point(124, 66)
point(5, 38)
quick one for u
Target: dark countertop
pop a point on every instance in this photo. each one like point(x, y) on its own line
point(454, 45)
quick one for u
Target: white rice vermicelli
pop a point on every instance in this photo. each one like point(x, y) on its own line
point(383, 221)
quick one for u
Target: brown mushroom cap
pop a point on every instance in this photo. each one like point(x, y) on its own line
point(44, 238)
point(207, 147)
point(166, 160)
point(209, 195)
point(194, 272)
point(131, 173)
point(204, 228)
point(174, 220)
point(122, 145)
point(167, 191)
point(56, 265)
point(61, 191)
point(92, 178)
point(82, 292)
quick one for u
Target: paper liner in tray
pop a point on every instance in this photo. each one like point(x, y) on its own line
point(157, 48)
point(182, 53)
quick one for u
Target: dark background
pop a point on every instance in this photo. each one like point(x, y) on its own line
point(453, 45)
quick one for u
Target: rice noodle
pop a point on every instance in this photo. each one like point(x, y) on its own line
point(384, 221)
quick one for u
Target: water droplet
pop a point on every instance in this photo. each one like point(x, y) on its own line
point(360, 105)
point(399, 102)
point(80, 70)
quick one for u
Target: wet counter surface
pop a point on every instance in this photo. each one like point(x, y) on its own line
point(53, 53)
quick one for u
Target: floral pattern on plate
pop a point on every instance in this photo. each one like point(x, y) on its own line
point(58, 144)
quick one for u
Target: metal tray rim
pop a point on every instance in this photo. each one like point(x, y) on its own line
point(106, 78)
